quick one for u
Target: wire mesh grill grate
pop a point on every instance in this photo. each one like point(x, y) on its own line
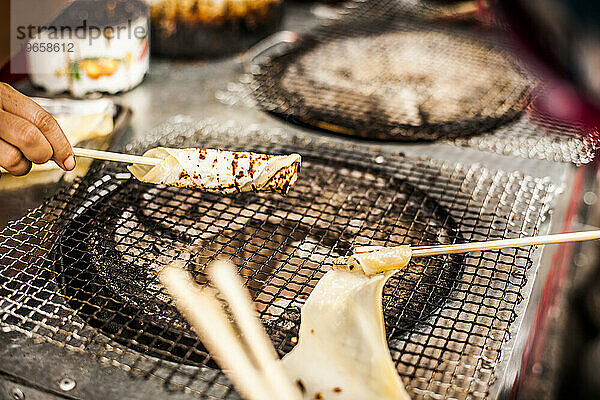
point(381, 75)
point(538, 136)
point(79, 272)
point(360, 75)
point(399, 82)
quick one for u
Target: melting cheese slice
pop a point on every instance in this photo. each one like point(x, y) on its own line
point(373, 260)
point(342, 350)
point(220, 171)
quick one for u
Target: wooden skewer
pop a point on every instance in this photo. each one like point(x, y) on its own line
point(204, 312)
point(231, 287)
point(118, 157)
point(426, 251)
point(244, 350)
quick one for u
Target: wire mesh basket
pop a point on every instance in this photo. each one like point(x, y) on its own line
point(389, 70)
point(393, 81)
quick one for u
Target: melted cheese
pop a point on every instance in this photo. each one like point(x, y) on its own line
point(342, 350)
point(219, 170)
point(380, 260)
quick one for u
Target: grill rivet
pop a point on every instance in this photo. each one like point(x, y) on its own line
point(590, 198)
point(67, 384)
point(17, 394)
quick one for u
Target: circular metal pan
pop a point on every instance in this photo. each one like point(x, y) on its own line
point(185, 31)
point(407, 84)
point(110, 251)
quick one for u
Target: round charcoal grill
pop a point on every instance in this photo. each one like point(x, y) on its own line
point(110, 251)
point(407, 84)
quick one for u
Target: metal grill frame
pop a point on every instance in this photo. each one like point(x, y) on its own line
point(28, 307)
point(538, 136)
point(530, 136)
point(369, 119)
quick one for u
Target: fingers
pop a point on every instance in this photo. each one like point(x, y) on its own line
point(12, 160)
point(20, 105)
point(25, 136)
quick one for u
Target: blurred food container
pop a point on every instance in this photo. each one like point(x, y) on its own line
point(211, 28)
point(92, 46)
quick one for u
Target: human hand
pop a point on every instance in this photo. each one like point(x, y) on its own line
point(29, 134)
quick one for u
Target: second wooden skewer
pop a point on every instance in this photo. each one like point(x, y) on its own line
point(118, 157)
point(426, 251)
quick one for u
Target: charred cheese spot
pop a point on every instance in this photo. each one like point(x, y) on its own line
point(184, 175)
point(301, 385)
